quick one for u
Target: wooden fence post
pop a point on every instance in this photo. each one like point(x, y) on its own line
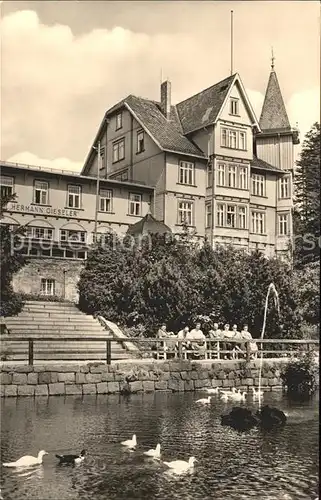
point(108, 352)
point(248, 351)
point(30, 352)
point(180, 350)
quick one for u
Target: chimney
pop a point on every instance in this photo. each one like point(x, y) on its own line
point(166, 99)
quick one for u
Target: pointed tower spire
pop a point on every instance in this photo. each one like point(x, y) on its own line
point(274, 115)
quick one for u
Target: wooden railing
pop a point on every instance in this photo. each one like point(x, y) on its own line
point(177, 349)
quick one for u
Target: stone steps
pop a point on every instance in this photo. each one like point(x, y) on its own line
point(59, 320)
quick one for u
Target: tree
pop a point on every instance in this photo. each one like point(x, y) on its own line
point(12, 260)
point(307, 200)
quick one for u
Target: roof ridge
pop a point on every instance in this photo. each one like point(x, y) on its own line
point(207, 88)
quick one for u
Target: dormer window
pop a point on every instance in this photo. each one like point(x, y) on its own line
point(234, 106)
point(119, 121)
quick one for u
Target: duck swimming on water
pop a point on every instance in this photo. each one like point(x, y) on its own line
point(72, 459)
point(27, 460)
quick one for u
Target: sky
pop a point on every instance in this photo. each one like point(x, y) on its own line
point(63, 64)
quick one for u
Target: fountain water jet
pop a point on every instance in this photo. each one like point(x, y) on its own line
point(271, 288)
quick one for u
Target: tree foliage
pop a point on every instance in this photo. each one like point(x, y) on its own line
point(175, 281)
point(12, 261)
point(307, 200)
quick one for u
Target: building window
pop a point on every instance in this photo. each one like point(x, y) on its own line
point(186, 173)
point(105, 200)
point(220, 214)
point(242, 217)
point(6, 184)
point(102, 158)
point(118, 150)
point(258, 185)
point(39, 233)
point(234, 106)
point(209, 178)
point(283, 224)
point(72, 235)
point(258, 222)
point(285, 187)
point(242, 178)
point(185, 212)
point(140, 141)
point(47, 287)
point(231, 216)
point(231, 178)
point(208, 215)
point(119, 121)
point(221, 174)
point(233, 139)
point(242, 141)
point(41, 193)
point(74, 193)
point(135, 202)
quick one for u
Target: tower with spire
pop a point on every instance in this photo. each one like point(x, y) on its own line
point(275, 144)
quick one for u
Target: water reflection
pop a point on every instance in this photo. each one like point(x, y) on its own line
point(262, 465)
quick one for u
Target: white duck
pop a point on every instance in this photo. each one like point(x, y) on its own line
point(181, 465)
point(232, 391)
point(257, 393)
point(130, 443)
point(27, 460)
point(213, 391)
point(238, 396)
point(154, 453)
point(204, 401)
point(224, 397)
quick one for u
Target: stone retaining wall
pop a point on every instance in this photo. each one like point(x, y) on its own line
point(124, 378)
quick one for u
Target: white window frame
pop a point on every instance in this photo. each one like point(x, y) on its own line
point(119, 150)
point(73, 198)
point(6, 184)
point(47, 286)
point(39, 233)
point(283, 224)
point(221, 171)
point(208, 215)
point(41, 187)
point(135, 204)
point(234, 106)
point(185, 212)
point(258, 222)
point(233, 139)
point(231, 211)
point(242, 177)
point(140, 142)
point(72, 236)
point(232, 175)
point(285, 187)
point(119, 121)
point(186, 173)
point(258, 185)
point(105, 200)
point(241, 215)
point(220, 214)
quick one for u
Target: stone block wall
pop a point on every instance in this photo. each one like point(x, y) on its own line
point(125, 378)
point(28, 279)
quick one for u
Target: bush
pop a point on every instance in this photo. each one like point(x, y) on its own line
point(42, 298)
point(299, 376)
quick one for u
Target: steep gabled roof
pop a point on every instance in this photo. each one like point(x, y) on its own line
point(167, 134)
point(202, 109)
point(274, 115)
point(148, 224)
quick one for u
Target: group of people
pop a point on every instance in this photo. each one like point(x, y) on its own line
point(217, 340)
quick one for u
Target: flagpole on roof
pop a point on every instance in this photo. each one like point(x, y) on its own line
point(231, 42)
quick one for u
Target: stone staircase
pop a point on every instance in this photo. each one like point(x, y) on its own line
point(57, 319)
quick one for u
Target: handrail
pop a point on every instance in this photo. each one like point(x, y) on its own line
point(179, 352)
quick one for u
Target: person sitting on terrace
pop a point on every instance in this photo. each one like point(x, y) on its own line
point(196, 335)
point(182, 336)
point(164, 334)
point(215, 334)
point(227, 346)
point(253, 345)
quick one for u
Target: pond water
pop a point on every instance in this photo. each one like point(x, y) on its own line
point(282, 464)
